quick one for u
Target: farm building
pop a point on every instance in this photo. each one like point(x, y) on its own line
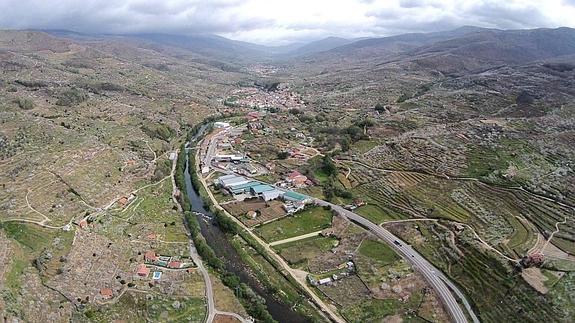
point(150, 256)
point(292, 207)
point(252, 214)
point(106, 293)
point(231, 158)
point(175, 264)
point(250, 168)
point(142, 270)
point(296, 179)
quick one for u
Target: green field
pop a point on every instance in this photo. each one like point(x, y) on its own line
point(363, 146)
point(378, 252)
point(297, 253)
point(375, 213)
point(135, 307)
point(310, 220)
point(370, 311)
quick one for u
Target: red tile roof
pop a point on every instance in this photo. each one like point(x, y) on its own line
point(106, 292)
point(150, 255)
point(143, 270)
point(174, 264)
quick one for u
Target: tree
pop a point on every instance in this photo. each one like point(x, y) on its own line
point(344, 143)
point(283, 155)
point(380, 108)
point(328, 166)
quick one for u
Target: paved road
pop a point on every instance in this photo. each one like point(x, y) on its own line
point(207, 280)
point(435, 277)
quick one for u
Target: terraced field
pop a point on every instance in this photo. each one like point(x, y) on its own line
point(499, 293)
point(507, 219)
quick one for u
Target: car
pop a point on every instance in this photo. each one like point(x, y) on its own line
point(397, 243)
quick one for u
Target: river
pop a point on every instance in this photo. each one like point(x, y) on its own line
point(218, 241)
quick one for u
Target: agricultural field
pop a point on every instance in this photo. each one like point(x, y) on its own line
point(298, 253)
point(265, 211)
point(383, 286)
point(311, 219)
point(136, 306)
point(375, 213)
point(509, 220)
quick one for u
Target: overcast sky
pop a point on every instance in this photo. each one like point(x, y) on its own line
point(282, 21)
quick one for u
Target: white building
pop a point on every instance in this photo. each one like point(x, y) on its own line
point(271, 195)
point(221, 125)
point(229, 180)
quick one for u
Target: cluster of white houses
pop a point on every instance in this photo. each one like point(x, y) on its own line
point(239, 185)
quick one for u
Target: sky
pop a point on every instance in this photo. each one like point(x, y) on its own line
point(279, 22)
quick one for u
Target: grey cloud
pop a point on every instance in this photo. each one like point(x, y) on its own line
point(230, 17)
point(128, 16)
point(503, 16)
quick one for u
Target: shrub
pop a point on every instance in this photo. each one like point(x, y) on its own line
point(71, 97)
point(25, 104)
point(159, 131)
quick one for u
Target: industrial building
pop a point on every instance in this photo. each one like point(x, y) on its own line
point(271, 195)
point(242, 188)
point(230, 180)
point(295, 197)
point(259, 189)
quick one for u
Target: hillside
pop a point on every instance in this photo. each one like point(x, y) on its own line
point(86, 124)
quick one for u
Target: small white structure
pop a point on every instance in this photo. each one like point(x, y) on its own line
point(172, 156)
point(324, 281)
point(221, 125)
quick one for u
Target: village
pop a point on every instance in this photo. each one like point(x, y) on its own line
point(274, 96)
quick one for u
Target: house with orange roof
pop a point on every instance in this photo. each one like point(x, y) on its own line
point(142, 270)
point(123, 201)
point(150, 256)
point(106, 293)
point(175, 264)
point(297, 179)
